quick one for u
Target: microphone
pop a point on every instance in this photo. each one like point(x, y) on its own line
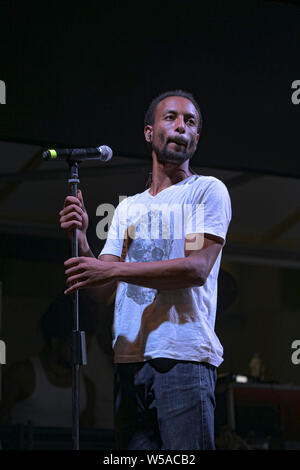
point(103, 153)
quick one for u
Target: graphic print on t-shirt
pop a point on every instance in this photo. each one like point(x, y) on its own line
point(142, 249)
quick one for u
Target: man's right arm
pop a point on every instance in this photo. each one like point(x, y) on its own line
point(74, 215)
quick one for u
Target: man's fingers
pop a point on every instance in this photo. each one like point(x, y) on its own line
point(70, 217)
point(76, 278)
point(73, 288)
point(71, 208)
point(72, 200)
point(72, 261)
point(80, 197)
point(74, 269)
point(71, 225)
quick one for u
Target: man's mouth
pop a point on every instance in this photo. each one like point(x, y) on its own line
point(178, 142)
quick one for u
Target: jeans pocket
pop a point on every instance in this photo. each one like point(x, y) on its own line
point(209, 378)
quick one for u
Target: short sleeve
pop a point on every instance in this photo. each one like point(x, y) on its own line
point(211, 209)
point(115, 235)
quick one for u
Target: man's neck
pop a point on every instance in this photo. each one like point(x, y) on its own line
point(165, 175)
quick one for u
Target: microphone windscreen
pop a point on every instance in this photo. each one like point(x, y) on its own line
point(106, 153)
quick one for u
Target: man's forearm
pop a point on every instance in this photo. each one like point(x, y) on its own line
point(171, 274)
point(100, 293)
point(84, 249)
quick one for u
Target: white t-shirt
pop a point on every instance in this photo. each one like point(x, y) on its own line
point(178, 323)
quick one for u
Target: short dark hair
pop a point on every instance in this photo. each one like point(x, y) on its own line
point(150, 113)
point(57, 321)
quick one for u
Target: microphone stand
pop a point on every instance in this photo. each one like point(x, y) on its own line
point(73, 158)
point(78, 337)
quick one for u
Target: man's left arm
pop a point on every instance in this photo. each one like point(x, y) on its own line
point(201, 248)
point(189, 271)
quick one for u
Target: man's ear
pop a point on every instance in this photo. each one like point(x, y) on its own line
point(148, 133)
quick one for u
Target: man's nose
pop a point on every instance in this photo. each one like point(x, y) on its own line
point(180, 125)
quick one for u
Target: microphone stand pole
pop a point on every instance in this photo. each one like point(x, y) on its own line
point(78, 337)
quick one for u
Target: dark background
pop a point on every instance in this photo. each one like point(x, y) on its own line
point(84, 73)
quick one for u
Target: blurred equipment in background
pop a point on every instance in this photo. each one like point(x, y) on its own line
point(256, 367)
point(258, 415)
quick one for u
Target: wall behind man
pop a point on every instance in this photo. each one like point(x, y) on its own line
point(28, 288)
point(264, 318)
point(32, 273)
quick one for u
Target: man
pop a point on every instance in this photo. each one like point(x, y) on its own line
point(165, 349)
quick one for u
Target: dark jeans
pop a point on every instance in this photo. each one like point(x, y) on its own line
point(165, 404)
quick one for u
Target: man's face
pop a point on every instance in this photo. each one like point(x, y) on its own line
point(174, 132)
